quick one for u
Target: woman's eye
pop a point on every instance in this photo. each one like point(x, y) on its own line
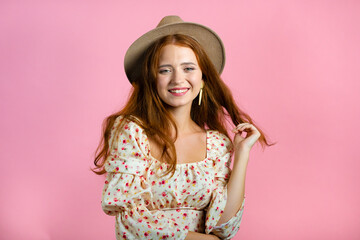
point(188, 69)
point(162, 71)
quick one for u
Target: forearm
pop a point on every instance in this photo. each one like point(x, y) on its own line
point(235, 187)
point(196, 236)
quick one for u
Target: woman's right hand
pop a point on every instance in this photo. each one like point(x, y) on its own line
point(196, 236)
point(214, 237)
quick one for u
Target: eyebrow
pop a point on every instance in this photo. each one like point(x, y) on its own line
point(184, 63)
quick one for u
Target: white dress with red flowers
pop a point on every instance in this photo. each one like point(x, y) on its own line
point(147, 206)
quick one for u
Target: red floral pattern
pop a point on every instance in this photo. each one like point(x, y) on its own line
point(148, 206)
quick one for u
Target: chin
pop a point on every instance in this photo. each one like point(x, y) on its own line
point(177, 104)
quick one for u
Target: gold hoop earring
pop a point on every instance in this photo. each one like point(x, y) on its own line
point(200, 95)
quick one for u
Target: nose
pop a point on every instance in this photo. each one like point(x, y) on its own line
point(177, 77)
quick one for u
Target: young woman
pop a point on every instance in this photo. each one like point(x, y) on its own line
point(167, 152)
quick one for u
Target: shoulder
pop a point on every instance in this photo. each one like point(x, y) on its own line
point(127, 122)
point(126, 125)
point(129, 134)
point(220, 152)
point(219, 143)
point(128, 146)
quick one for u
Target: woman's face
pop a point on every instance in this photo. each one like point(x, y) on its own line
point(179, 77)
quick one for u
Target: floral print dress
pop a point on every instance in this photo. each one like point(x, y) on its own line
point(148, 206)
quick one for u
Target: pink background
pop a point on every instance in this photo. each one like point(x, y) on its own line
point(292, 65)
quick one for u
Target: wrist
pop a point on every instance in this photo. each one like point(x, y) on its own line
point(241, 156)
point(242, 152)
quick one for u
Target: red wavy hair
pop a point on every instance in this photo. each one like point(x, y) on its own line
point(145, 107)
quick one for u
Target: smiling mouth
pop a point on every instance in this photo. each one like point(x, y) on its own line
point(178, 90)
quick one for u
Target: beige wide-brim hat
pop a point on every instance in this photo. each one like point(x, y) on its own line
point(207, 38)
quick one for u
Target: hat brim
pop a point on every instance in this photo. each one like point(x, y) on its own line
point(206, 37)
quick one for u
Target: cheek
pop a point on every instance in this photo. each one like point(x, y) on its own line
point(161, 85)
point(197, 79)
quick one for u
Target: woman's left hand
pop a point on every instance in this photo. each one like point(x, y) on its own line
point(247, 142)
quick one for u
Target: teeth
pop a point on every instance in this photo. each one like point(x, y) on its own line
point(178, 91)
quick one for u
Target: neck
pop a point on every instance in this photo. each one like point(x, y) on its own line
point(183, 121)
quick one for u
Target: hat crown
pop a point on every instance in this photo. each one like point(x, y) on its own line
point(169, 20)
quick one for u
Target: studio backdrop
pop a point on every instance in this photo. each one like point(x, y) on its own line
point(292, 65)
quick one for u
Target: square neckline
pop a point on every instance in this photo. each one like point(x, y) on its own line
point(181, 164)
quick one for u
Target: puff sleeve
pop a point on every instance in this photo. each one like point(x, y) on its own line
point(127, 194)
point(222, 147)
